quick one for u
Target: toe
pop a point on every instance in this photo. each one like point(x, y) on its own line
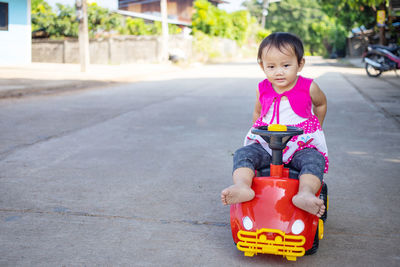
point(224, 195)
point(321, 211)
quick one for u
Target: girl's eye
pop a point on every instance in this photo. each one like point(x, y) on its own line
point(286, 65)
point(270, 67)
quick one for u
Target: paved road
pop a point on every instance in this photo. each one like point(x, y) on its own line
point(131, 175)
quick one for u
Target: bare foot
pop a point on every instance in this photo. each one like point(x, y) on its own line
point(310, 203)
point(236, 193)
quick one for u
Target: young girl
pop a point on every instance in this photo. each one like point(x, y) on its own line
point(284, 98)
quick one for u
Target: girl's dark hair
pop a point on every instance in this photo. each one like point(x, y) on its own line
point(282, 40)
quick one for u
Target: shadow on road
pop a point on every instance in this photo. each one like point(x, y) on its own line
point(15, 88)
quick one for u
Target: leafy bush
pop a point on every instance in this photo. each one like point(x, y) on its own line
point(44, 19)
point(157, 28)
point(101, 21)
point(203, 47)
point(135, 26)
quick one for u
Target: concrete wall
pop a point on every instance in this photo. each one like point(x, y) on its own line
point(114, 50)
point(15, 43)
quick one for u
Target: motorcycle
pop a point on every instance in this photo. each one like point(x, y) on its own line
point(379, 58)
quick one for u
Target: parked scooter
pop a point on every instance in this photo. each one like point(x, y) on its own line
point(379, 58)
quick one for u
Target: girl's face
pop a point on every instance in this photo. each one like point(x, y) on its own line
point(281, 67)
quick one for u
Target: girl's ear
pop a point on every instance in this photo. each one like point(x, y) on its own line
point(301, 65)
point(260, 63)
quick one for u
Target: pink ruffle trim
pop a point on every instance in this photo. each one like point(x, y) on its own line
point(309, 126)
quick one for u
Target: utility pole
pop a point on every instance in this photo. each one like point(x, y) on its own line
point(265, 6)
point(264, 12)
point(83, 36)
point(381, 22)
point(164, 25)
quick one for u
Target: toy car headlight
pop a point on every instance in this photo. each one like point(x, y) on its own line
point(298, 227)
point(247, 223)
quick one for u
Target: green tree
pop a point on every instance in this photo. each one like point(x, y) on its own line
point(217, 22)
point(255, 8)
point(353, 13)
point(102, 20)
point(66, 24)
point(61, 23)
point(320, 33)
point(241, 22)
point(358, 3)
point(42, 16)
point(204, 18)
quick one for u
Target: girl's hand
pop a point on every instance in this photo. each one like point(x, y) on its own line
point(318, 99)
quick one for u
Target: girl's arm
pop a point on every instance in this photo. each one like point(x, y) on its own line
point(318, 99)
point(257, 108)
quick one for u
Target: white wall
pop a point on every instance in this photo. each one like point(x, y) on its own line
point(16, 43)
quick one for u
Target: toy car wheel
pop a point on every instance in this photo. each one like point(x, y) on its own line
point(324, 196)
point(315, 245)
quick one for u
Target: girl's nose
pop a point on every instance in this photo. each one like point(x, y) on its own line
point(279, 70)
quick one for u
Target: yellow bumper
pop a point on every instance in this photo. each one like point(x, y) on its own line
point(289, 246)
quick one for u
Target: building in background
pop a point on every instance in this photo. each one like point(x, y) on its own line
point(15, 32)
point(179, 11)
point(110, 4)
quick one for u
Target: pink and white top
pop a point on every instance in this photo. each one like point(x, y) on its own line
point(296, 111)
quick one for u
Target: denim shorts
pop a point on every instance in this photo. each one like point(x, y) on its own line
point(255, 157)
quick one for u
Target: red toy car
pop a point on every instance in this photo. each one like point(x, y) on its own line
point(270, 223)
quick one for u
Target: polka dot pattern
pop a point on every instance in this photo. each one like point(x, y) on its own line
point(312, 137)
